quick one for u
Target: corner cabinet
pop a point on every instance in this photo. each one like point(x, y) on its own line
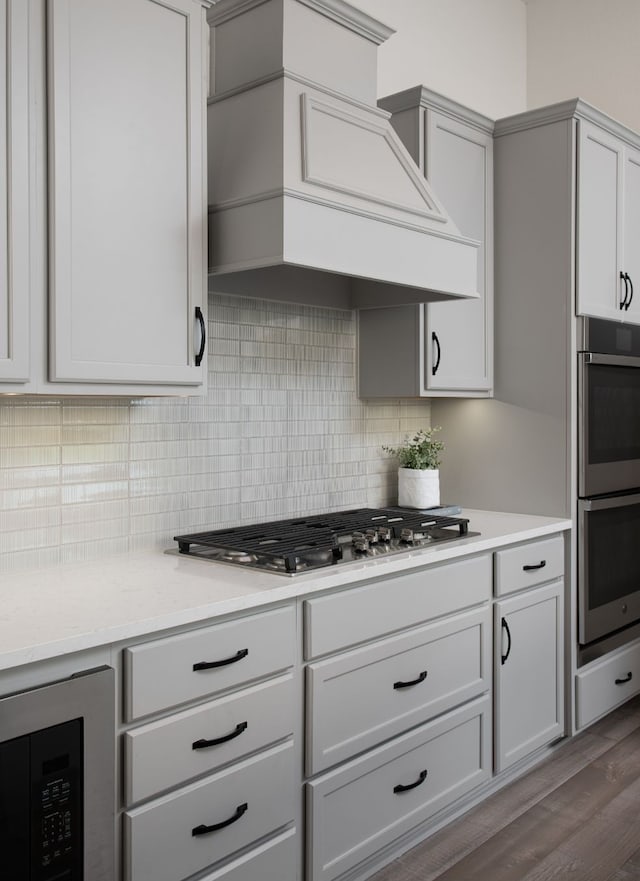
point(117, 161)
point(608, 225)
point(439, 349)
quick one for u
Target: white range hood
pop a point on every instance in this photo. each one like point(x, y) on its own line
point(312, 196)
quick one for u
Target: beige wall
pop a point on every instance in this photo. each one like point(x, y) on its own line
point(586, 49)
point(473, 51)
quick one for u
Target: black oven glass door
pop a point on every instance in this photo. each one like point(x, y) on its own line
point(609, 418)
point(609, 565)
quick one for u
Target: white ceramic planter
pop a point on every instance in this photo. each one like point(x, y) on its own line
point(418, 489)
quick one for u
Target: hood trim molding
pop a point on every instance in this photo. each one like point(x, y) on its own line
point(310, 104)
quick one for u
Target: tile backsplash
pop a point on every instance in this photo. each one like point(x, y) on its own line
point(280, 433)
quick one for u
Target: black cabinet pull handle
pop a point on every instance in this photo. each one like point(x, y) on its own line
point(401, 788)
point(505, 626)
point(627, 678)
point(530, 567)
point(237, 731)
point(436, 343)
point(203, 336)
point(630, 291)
point(204, 830)
point(210, 665)
point(420, 678)
point(625, 279)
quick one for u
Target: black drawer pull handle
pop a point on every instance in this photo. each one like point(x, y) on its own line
point(628, 303)
point(627, 678)
point(401, 788)
point(237, 731)
point(203, 335)
point(420, 678)
point(531, 567)
point(204, 830)
point(210, 665)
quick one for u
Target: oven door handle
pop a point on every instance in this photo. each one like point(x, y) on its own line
point(602, 504)
point(610, 360)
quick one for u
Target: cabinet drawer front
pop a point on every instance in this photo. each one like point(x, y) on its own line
point(529, 564)
point(161, 673)
point(274, 861)
point(360, 614)
point(159, 840)
point(240, 723)
point(373, 682)
point(606, 684)
point(354, 811)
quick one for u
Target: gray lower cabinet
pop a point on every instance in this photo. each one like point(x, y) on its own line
point(359, 808)
point(203, 823)
point(606, 683)
point(415, 690)
point(394, 684)
point(529, 651)
point(398, 716)
point(210, 779)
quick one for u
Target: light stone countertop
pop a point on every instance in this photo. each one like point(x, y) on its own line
point(47, 613)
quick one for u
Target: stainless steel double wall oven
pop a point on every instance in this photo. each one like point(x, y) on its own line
point(608, 479)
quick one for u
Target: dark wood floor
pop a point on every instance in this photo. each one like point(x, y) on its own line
point(577, 816)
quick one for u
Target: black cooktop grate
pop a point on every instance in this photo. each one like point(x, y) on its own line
point(317, 538)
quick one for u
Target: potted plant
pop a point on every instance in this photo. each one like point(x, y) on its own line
point(418, 471)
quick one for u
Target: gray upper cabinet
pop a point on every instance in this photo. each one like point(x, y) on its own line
point(118, 163)
point(439, 349)
point(14, 191)
point(608, 225)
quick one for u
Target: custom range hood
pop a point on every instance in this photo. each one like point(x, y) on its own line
point(313, 198)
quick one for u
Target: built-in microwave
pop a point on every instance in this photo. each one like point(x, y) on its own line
point(57, 780)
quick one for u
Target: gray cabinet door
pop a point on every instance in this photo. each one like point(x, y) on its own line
point(370, 802)
point(529, 681)
point(14, 194)
point(126, 190)
point(459, 340)
point(631, 218)
point(600, 291)
point(439, 349)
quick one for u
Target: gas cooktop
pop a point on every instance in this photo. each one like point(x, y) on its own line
point(304, 544)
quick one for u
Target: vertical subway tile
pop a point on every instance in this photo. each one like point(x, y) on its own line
point(279, 433)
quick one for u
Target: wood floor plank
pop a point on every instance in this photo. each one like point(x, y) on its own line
point(526, 824)
point(459, 838)
point(607, 840)
point(515, 849)
point(629, 871)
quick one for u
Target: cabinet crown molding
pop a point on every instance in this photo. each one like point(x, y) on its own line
point(565, 110)
point(421, 96)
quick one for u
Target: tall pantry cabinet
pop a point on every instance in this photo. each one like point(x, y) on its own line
point(103, 236)
point(566, 209)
